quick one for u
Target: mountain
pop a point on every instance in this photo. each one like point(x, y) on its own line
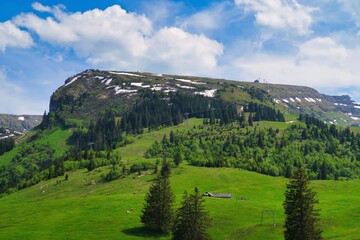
point(12, 125)
point(86, 94)
point(97, 151)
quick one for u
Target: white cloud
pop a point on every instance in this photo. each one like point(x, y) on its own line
point(41, 8)
point(352, 7)
point(321, 63)
point(114, 38)
point(323, 49)
point(280, 14)
point(184, 52)
point(14, 99)
point(11, 36)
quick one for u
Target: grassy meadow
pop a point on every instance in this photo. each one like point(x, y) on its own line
point(86, 208)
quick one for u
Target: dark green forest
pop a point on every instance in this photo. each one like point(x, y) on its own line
point(327, 151)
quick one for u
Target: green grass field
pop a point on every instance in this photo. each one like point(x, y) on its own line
point(86, 208)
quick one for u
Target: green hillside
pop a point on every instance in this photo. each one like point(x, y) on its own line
point(84, 207)
point(84, 171)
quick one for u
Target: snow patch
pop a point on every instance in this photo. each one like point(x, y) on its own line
point(341, 104)
point(312, 100)
point(290, 122)
point(291, 99)
point(72, 80)
point(358, 107)
point(355, 118)
point(356, 103)
point(139, 84)
point(207, 93)
point(285, 100)
point(127, 74)
point(298, 99)
point(107, 81)
point(189, 81)
point(170, 90)
point(184, 87)
point(157, 87)
point(119, 90)
point(319, 99)
point(21, 118)
point(99, 77)
point(276, 100)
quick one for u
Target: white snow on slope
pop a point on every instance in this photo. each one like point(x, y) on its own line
point(107, 81)
point(207, 93)
point(21, 118)
point(276, 100)
point(99, 77)
point(72, 80)
point(355, 118)
point(119, 90)
point(319, 99)
point(356, 103)
point(139, 84)
point(285, 100)
point(291, 99)
point(298, 99)
point(312, 100)
point(184, 87)
point(358, 107)
point(157, 87)
point(189, 81)
point(127, 74)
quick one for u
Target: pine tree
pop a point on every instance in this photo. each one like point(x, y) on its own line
point(302, 219)
point(191, 221)
point(158, 213)
point(178, 158)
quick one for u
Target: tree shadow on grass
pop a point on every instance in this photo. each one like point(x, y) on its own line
point(142, 232)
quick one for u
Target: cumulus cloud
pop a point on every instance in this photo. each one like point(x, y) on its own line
point(184, 52)
point(323, 49)
point(12, 36)
point(320, 62)
point(280, 14)
point(41, 8)
point(114, 38)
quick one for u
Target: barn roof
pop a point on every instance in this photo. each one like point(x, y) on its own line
point(217, 195)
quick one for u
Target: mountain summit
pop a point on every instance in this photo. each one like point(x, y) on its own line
point(86, 94)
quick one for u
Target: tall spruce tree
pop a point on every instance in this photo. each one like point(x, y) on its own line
point(302, 219)
point(158, 213)
point(191, 221)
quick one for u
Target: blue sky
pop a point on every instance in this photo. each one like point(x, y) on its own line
point(299, 42)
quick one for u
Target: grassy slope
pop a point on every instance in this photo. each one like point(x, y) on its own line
point(56, 138)
point(84, 208)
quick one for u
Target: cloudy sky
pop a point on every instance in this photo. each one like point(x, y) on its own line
point(300, 42)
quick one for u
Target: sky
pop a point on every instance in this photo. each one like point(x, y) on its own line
point(297, 42)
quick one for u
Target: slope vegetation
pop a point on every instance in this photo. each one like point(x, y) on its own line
point(85, 207)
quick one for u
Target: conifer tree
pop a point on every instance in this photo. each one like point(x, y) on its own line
point(191, 221)
point(302, 219)
point(158, 213)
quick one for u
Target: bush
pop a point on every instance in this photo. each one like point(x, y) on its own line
point(113, 174)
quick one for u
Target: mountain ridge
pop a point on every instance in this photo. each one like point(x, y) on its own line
point(86, 93)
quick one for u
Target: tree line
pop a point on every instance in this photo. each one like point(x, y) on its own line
point(328, 152)
point(6, 145)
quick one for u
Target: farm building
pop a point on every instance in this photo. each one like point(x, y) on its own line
point(217, 195)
